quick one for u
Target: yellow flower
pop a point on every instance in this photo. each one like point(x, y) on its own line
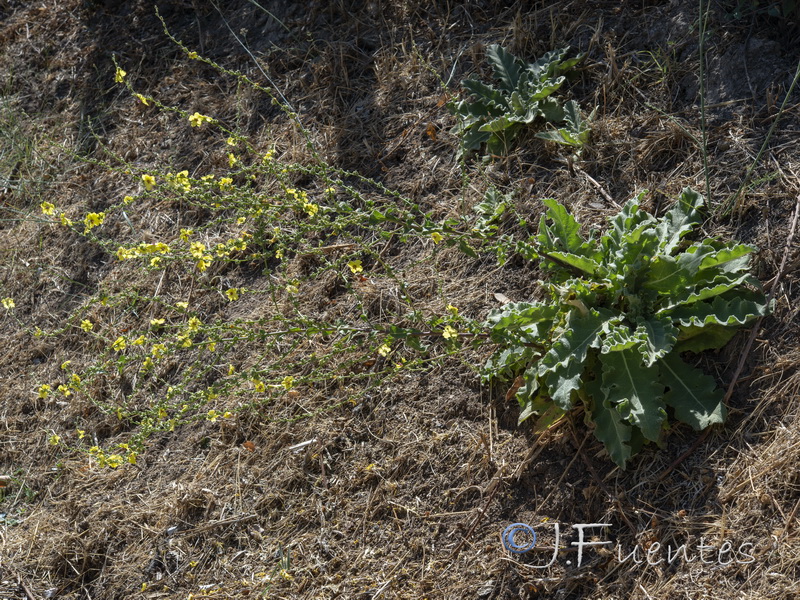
point(74, 380)
point(114, 461)
point(197, 249)
point(157, 322)
point(436, 237)
point(311, 208)
point(231, 141)
point(157, 351)
point(155, 262)
point(119, 344)
point(147, 364)
point(182, 305)
point(139, 341)
point(330, 190)
point(292, 289)
point(54, 439)
point(194, 324)
point(197, 120)
point(48, 208)
point(213, 415)
point(449, 332)
point(212, 346)
point(132, 458)
point(231, 369)
point(385, 350)
point(81, 434)
point(288, 382)
point(149, 182)
point(119, 75)
point(227, 415)
point(127, 200)
point(64, 220)
point(452, 310)
point(204, 263)
point(65, 365)
point(93, 220)
point(193, 55)
point(87, 325)
point(208, 177)
point(185, 233)
point(258, 385)
point(8, 303)
point(355, 266)
point(270, 154)
point(64, 390)
point(142, 99)
point(184, 341)
point(224, 182)
point(232, 294)
point(232, 160)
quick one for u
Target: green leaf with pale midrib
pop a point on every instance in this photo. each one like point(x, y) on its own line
point(634, 390)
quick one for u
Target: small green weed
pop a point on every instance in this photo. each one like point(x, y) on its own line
point(495, 116)
point(621, 310)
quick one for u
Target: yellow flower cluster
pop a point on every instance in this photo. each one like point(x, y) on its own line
point(179, 181)
point(112, 460)
point(142, 249)
point(93, 220)
point(119, 75)
point(149, 182)
point(197, 120)
point(449, 332)
point(8, 303)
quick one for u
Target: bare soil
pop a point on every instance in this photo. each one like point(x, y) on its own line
point(405, 494)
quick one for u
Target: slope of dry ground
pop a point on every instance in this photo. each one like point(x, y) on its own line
point(403, 492)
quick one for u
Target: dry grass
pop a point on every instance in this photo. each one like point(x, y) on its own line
point(403, 495)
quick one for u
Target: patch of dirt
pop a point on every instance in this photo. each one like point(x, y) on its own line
point(404, 493)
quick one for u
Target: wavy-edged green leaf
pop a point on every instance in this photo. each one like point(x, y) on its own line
point(635, 390)
point(716, 287)
point(693, 395)
point(665, 275)
point(698, 339)
point(610, 428)
point(507, 67)
point(582, 332)
point(560, 136)
point(547, 65)
point(506, 363)
point(730, 259)
point(562, 381)
point(472, 139)
point(522, 317)
point(551, 110)
point(547, 89)
point(659, 338)
point(679, 220)
point(583, 264)
point(624, 222)
point(617, 337)
point(735, 311)
point(501, 123)
point(492, 101)
point(563, 232)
